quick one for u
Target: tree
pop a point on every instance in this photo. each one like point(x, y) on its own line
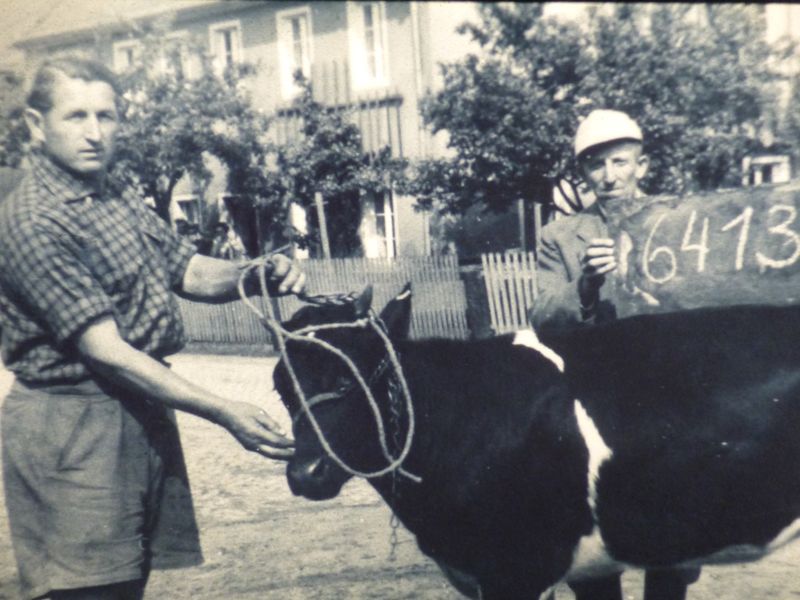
point(175, 118)
point(13, 132)
point(792, 126)
point(508, 112)
point(327, 158)
point(696, 82)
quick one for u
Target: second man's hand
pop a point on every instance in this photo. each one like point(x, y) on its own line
point(597, 262)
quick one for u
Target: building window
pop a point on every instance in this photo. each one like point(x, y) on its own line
point(758, 170)
point(366, 23)
point(372, 41)
point(377, 228)
point(176, 60)
point(186, 207)
point(294, 47)
point(226, 44)
point(126, 55)
point(173, 56)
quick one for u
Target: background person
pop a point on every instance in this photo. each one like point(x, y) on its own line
point(577, 254)
point(95, 482)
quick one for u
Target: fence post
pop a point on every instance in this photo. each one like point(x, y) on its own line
point(323, 225)
point(523, 237)
point(537, 228)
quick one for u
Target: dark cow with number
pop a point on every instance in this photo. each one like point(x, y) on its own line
point(669, 440)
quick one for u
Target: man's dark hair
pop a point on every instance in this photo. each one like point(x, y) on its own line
point(40, 96)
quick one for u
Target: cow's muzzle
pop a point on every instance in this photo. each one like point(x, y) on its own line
point(314, 479)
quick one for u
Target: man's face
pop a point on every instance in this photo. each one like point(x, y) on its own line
point(78, 131)
point(613, 171)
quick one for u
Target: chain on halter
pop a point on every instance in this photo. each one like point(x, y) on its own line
point(268, 319)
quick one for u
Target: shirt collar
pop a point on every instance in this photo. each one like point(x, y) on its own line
point(60, 182)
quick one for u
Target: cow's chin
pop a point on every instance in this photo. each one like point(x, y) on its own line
point(315, 479)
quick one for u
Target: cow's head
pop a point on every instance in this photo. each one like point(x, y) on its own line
point(339, 404)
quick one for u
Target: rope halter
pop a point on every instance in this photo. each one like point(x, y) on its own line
point(304, 335)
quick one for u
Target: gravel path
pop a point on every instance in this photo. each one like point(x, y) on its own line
point(262, 543)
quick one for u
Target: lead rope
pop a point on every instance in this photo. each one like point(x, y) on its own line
point(394, 415)
point(281, 335)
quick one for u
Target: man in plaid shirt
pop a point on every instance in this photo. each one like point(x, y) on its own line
point(96, 486)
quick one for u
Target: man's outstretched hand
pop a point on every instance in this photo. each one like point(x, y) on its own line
point(256, 431)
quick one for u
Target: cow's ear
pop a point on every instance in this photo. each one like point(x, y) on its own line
point(362, 303)
point(397, 314)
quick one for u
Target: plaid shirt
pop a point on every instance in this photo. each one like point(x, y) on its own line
point(71, 253)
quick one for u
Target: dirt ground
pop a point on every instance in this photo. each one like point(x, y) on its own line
point(262, 543)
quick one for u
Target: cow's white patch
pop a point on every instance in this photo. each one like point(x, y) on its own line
point(403, 295)
point(529, 339)
point(590, 557)
point(598, 451)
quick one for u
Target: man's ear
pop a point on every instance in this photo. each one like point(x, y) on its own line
point(642, 164)
point(35, 122)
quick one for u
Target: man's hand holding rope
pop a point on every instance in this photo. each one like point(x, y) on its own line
point(249, 424)
point(289, 278)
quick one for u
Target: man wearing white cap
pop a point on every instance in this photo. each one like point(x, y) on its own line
point(575, 256)
point(576, 253)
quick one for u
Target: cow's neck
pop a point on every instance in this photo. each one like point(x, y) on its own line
point(457, 388)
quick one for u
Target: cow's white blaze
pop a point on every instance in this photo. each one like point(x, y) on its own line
point(529, 339)
point(590, 557)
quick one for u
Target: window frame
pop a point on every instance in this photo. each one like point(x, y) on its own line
point(379, 228)
point(123, 46)
point(289, 89)
point(182, 40)
point(362, 79)
point(220, 61)
point(186, 206)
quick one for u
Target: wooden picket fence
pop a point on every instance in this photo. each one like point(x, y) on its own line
point(438, 303)
point(228, 323)
point(510, 288)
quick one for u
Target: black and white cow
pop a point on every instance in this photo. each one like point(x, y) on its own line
point(668, 440)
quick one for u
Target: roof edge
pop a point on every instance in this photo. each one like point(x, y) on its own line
point(82, 34)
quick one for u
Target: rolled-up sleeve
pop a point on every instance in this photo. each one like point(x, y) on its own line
point(43, 269)
point(176, 250)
